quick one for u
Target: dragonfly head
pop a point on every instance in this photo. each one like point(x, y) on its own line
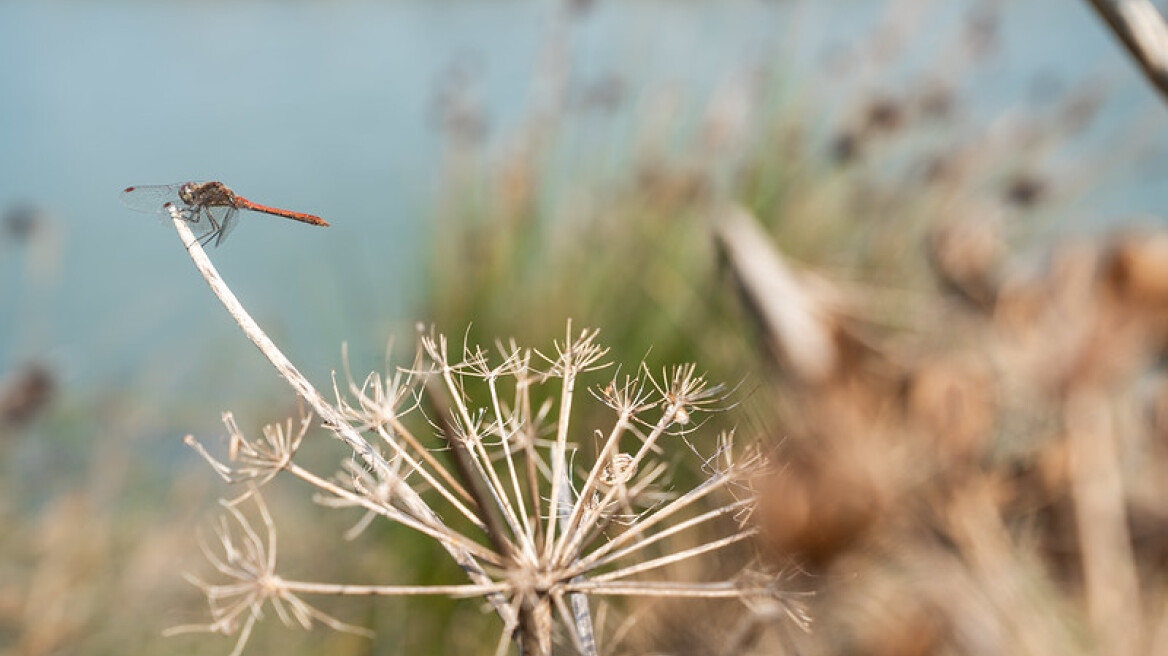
point(186, 193)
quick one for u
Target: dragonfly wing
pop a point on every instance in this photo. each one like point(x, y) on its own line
point(208, 222)
point(227, 219)
point(150, 199)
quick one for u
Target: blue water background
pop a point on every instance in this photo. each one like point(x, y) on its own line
point(329, 108)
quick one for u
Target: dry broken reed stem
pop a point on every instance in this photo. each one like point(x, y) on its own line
point(544, 536)
point(797, 325)
point(1141, 29)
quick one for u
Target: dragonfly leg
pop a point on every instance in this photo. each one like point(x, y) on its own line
point(216, 229)
point(206, 237)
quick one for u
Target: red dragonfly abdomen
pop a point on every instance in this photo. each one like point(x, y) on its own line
point(245, 204)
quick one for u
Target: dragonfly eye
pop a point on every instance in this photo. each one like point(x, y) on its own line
point(186, 193)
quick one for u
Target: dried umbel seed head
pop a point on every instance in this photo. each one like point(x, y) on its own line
point(619, 471)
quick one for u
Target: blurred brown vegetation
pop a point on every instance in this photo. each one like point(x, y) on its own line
point(995, 484)
point(966, 413)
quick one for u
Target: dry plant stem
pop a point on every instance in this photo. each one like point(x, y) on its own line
point(429, 458)
point(664, 589)
point(601, 559)
point(674, 557)
point(1113, 593)
point(610, 445)
point(580, 538)
point(509, 630)
point(469, 469)
point(326, 411)
point(503, 432)
point(456, 591)
point(475, 467)
point(1141, 29)
point(378, 399)
point(584, 643)
point(429, 478)
point(601, 554)
point(484, 469)
point(530, 457)
point(392, 420)
point(451, 538)
point(790, 315)
point(581, 618)
point(559, 455)
point(535, 626)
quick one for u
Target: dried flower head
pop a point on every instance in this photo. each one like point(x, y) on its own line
point(496, 447)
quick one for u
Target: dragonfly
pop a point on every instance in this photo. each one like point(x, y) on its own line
point(195, 202)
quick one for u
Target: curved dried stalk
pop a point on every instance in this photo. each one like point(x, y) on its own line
point(333, 418)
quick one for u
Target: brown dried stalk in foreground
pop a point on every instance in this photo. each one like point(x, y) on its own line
point(537, 531)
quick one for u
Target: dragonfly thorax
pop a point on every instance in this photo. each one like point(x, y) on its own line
point(207, 194)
